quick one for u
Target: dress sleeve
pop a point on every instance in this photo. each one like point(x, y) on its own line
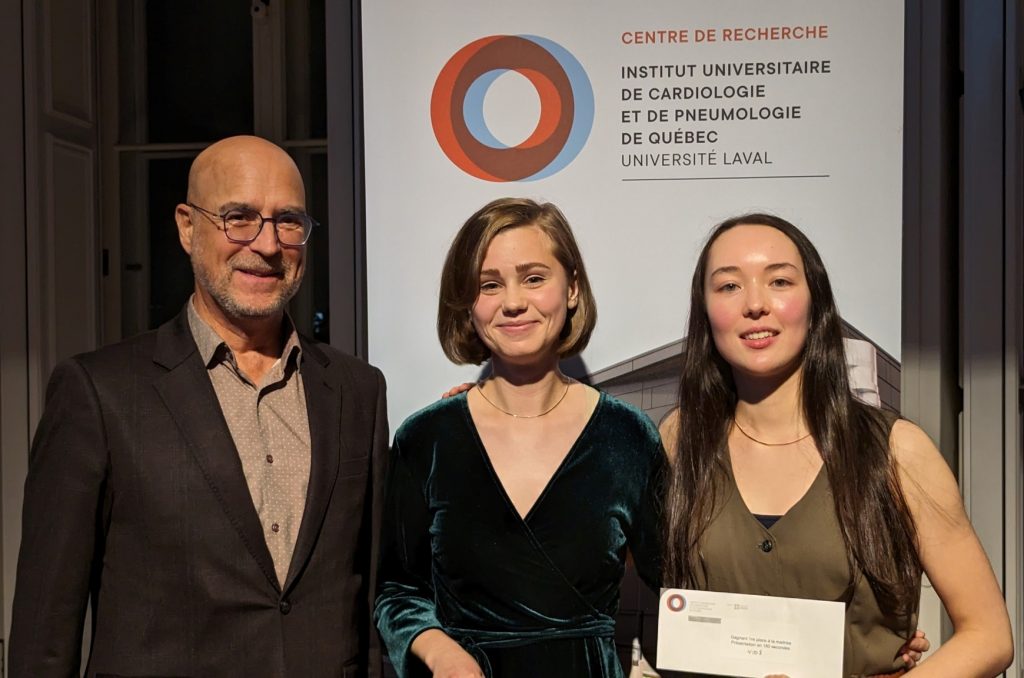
point(405, 597)
point(645, 537)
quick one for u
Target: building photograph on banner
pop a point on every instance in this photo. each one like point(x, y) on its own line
point(646, 124)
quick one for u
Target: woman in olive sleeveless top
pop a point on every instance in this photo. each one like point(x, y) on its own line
point(784, 484)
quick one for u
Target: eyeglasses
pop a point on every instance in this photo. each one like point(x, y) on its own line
point(242, 225)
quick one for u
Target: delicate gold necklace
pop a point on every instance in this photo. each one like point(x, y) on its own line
point(761, 442)
point(480, 388)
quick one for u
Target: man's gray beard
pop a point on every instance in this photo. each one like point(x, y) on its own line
point(231, 307)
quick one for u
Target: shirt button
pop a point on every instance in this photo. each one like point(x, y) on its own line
point(277, 528)
point(767, 546)
point(270, 459)
point(285, 607)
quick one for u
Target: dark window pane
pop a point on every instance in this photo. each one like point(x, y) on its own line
point(170, 272)
point(156, 276)
point(310, 307)
point(306, 64)
point(199, 69)
point(320, 282)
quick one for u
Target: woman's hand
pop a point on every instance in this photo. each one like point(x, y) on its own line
point(914, 648)
point(456, 663)
point(456, 390)
point(911, 652)
point(444, 657)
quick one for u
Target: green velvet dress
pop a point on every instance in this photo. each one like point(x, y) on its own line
point(533, 596)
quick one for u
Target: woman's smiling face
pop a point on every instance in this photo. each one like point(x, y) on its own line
point(524, 298)
point(758, 301)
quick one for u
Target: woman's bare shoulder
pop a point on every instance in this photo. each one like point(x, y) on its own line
point(927, 480)
point(914, 451)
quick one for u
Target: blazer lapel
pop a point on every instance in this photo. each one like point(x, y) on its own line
point(188, 394)
point(323, 405)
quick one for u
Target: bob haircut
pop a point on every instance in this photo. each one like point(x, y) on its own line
point(460, 278)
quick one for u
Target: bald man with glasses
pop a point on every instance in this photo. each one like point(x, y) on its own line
point(211, 487)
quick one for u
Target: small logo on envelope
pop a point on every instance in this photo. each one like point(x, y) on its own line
point(676, 602)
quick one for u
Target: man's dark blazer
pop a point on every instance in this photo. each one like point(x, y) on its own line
point(136, 499)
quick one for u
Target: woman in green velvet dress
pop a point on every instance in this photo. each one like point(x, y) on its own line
point(510, 507)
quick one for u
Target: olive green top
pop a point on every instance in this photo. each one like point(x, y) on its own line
point(801, 556)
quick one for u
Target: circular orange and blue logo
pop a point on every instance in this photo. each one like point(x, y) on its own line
point(566, 108)
point(676, 602)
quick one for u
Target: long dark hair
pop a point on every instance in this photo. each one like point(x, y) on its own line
point(853, 438)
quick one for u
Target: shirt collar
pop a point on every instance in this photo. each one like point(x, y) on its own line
point(213, 349)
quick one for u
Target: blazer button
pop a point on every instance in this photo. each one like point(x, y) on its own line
point(767, 546)
point(285, 607)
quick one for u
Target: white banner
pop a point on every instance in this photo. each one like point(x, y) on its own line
point(646, 123)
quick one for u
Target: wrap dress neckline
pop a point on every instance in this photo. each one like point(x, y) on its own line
point(553, 480)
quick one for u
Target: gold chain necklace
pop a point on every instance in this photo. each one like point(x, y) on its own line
point(480, 388)
point(761, 442)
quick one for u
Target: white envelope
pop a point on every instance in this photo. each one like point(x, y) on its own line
point(732, 634)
